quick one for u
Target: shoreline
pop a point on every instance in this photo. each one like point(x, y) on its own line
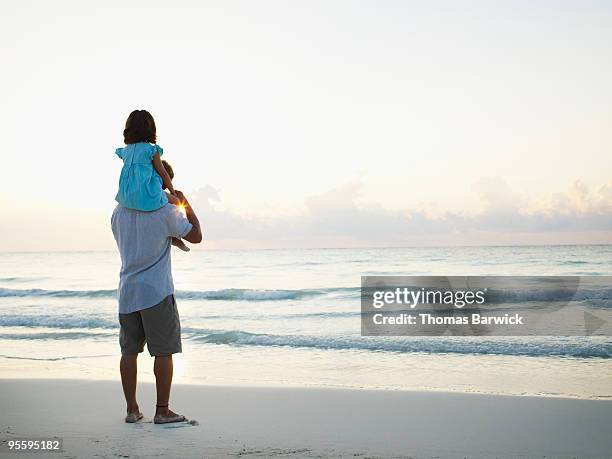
point(267, 386)
point(304, 422)
point(267, 367)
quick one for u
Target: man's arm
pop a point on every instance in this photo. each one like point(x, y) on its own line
point(195, 235)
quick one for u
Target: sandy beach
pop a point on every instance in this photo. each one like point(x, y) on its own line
point(293, 422)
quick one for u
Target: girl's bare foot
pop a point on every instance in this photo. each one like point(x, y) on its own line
point(173, 199)
point(180, 244)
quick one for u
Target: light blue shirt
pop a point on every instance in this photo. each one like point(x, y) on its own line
point(143, 239)
point(140, 186)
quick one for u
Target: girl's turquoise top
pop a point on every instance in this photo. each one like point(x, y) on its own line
point(140, 186)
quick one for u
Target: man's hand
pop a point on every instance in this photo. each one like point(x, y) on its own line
point(195, 235)
point(182, 198)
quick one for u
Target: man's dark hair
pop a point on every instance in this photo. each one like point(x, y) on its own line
point(140, 127)
point(168, 168)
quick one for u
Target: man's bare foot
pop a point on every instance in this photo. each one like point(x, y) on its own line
point(180, 244)
point(165, 416)
point(133, 417)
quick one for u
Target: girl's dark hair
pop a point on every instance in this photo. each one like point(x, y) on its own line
point(140, 127)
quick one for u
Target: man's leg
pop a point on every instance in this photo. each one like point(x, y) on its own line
point(163, 369)
point(131, 340)
point(128, 369)
point(163, 331)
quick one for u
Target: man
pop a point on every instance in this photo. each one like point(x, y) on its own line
point(147, 307)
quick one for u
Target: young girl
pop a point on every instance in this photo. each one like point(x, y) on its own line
point(143, 177)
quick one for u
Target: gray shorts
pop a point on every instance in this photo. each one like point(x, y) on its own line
point(159, 326)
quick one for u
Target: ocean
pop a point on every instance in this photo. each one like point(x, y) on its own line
point(292, 318)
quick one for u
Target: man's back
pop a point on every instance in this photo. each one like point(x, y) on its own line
point(143, 239)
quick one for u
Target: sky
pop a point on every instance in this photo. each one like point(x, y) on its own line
point(313, 124)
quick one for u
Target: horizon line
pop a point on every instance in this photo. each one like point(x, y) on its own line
point(202, 249)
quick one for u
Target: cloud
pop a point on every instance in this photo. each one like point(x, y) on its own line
point(496, 195)
point(339, 218)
